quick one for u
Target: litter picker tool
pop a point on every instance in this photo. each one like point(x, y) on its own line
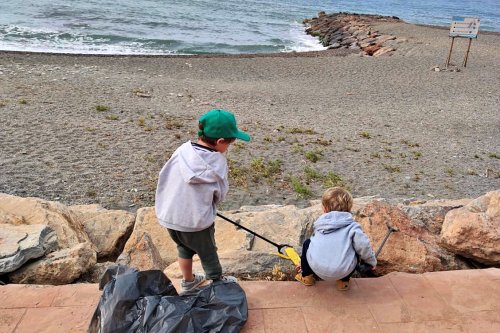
point(390, 230)
point(285, 251)
point(365, 269)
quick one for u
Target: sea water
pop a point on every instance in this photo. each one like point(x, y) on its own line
point(201, 26)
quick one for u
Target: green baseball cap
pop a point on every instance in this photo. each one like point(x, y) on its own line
point(218, 123)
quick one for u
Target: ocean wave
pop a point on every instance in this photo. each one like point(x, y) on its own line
point(20, 38)
point(199, 26)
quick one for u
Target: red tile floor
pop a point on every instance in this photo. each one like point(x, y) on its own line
point(453, 301)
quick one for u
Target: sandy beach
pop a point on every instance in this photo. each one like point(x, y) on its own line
point(98, 129)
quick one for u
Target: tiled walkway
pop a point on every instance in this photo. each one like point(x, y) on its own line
point(455, 301)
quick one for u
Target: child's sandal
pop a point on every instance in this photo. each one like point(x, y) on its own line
point(343, 285)
point(305, 280)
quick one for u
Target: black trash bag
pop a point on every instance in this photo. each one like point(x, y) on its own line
point(146, 301)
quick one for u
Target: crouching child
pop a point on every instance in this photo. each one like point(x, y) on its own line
point(337, 244)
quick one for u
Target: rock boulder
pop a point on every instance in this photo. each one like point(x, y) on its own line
point(60, 267)
point(20, 243)
point(108, 230)
point(414, 248)
point(474, 230)
point(141, 253)
point(146, 221)
point(27, 211)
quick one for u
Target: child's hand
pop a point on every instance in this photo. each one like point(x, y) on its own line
point(298, 269)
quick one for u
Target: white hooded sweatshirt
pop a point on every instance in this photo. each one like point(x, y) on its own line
point(336, 241)
point(190, 184)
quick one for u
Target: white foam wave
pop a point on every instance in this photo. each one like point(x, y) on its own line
point(24, 30)
point(302, 42)
point(27, 39)
point(75, 48)
point(46, 40)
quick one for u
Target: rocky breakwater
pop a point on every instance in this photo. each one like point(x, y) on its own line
point(354, 32)
point(44, 242)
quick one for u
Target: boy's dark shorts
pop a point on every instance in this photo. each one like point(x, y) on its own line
point(198, 242)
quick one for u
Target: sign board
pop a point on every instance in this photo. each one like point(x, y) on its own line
point(467, 27)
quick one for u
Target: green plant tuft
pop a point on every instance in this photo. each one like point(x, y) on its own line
point(311, 173)
point(237, 174)
point(301, 189)
point(237, 146)
point(471, 172)
point(265, 169)
point(314, 155)
point(173, 123)
point(91, 193)
point(365, 135)
point(297, 130)
point(494, 155)
point(322, 142)
point(101, 108)
point(409, 144)
point(331, 179)
point(297, 149)
point(392, 168)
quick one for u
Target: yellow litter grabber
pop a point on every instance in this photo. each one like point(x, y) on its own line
point(284, 250)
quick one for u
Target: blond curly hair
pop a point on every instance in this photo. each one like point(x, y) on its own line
point(336, 199)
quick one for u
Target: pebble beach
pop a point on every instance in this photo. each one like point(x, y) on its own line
point(83, 129)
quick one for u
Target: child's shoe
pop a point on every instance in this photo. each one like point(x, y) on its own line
point(343, 285)
point(191, 285)
point(305, 280)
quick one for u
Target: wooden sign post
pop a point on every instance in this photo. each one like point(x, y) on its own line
point(466, 27)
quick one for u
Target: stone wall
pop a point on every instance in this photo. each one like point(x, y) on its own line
point(43, 242)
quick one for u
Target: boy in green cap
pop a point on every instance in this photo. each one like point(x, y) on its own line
point(192, 182)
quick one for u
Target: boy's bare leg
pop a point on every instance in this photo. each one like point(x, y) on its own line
point(186, 266)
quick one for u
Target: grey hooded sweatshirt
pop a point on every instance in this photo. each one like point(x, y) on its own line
point(336, 240)
point(190, 184)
